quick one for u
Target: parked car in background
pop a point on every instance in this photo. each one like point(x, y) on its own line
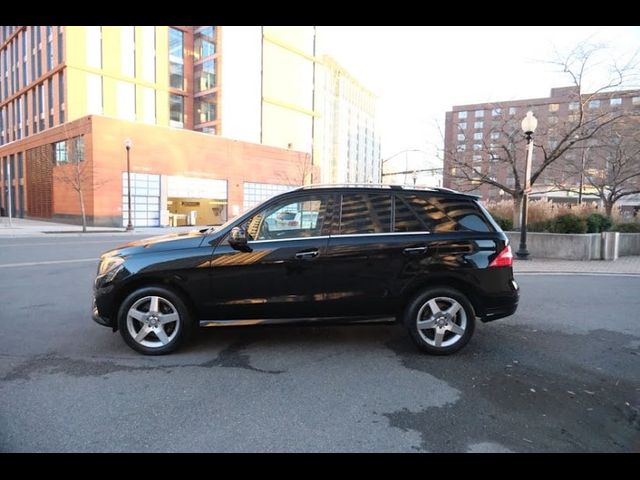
point(431, 259)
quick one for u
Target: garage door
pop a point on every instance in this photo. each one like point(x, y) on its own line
point(145, 200)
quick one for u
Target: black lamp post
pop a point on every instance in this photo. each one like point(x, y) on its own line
point(529, 124)
point(128, 144)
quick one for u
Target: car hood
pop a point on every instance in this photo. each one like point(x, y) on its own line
point(172, 241)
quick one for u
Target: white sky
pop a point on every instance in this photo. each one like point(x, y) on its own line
point(421, 72)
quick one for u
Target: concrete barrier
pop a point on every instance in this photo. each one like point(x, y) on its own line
point(579, 246)
point(629, 244)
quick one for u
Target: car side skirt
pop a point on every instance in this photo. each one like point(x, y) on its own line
point(276, 321)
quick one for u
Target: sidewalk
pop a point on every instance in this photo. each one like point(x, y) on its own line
point(21, 227)
point(628, 265)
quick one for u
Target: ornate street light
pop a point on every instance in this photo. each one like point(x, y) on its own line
point(128, 144)
point(529, 124)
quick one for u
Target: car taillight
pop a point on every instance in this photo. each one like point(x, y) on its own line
point(504, 258)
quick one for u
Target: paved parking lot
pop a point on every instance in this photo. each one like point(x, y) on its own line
point(563, 374)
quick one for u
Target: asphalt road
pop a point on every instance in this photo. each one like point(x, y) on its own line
point(562, 375)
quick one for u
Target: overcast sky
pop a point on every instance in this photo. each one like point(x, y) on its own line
point(421, 72)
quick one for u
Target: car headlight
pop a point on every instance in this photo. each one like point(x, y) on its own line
point(109, 267)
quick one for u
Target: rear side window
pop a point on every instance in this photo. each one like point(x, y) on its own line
point(365, 213)
point(415, 213)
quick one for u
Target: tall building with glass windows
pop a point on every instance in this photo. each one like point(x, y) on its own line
point(77, 91)
point(347, 144)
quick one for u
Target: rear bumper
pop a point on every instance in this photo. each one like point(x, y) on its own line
point(501, 311)
point(502, 306)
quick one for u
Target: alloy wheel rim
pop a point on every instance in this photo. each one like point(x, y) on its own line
point(153, 321)
point(441, 321)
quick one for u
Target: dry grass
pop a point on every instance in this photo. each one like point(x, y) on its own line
point(540, 210)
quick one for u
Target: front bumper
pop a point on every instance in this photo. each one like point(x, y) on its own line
point(99, 319)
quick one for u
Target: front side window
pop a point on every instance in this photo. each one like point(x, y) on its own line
point(299, 218)
point(60, 153)
point(363, 213)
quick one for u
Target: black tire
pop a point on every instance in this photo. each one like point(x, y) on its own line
point(450, 341)
point(176, 332)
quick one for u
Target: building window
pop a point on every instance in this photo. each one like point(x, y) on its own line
point(479, 113)
point(148, 105)
point(594, 104)
point(50, 101)
point(78, 149)
point(49, 47)
point(478, 125)
point(554, 107)
point(477, 158)
point(126, 100)
point(205, 109)
point(553, 120)
point(462, 126)
point(574, 105)
point(477, 136)
point(204, 75)
point(176, 59)
point(461, 137)
point(615, 101)
point(41, 106)
point(176, 110)
point(94, 94)
point(60, 45)
point(94, 46)
point(477, 146)
point(462, 115)
point(205, 43)
point(495, 135)
point(512, 110)
point(128, 50)
point(496, 112)
point(255, 193)
point(60, 153)
point(461, 148)
point(147, 45)
point(635, 100)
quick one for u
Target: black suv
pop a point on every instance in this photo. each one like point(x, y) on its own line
point(433, 259)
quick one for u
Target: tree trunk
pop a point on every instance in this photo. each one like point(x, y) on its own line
point(608, 206)
point(517, 210)
point(84, 216)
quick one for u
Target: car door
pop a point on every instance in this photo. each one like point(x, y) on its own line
point(281, 273)
point(380, 244)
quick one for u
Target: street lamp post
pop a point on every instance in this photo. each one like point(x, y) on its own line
point(128, 144)
point(529, 124)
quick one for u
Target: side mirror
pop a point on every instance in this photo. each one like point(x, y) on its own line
point(238, 239)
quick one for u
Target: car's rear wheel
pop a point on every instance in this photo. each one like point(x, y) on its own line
point(153, 321)
point(440, 320)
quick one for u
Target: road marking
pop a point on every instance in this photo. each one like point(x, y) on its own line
point(49, 262)
point(583, 274)
point(60, 243)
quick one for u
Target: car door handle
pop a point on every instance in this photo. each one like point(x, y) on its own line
point(307, 254)
point(414, 250)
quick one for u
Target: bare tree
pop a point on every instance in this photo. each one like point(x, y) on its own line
point(301, 174)
point(505, 148)
point(610, 165)
point(74, 171)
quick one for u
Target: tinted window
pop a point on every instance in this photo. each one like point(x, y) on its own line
point(437, 214)
point(299, 218)
point(413, 214)
point(365, 213)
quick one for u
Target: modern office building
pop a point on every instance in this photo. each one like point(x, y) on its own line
point(347, 144)
point(219, 117)
point(475, 134)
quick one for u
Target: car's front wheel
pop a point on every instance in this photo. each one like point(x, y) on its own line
point(440, 320)
point(153, 320)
